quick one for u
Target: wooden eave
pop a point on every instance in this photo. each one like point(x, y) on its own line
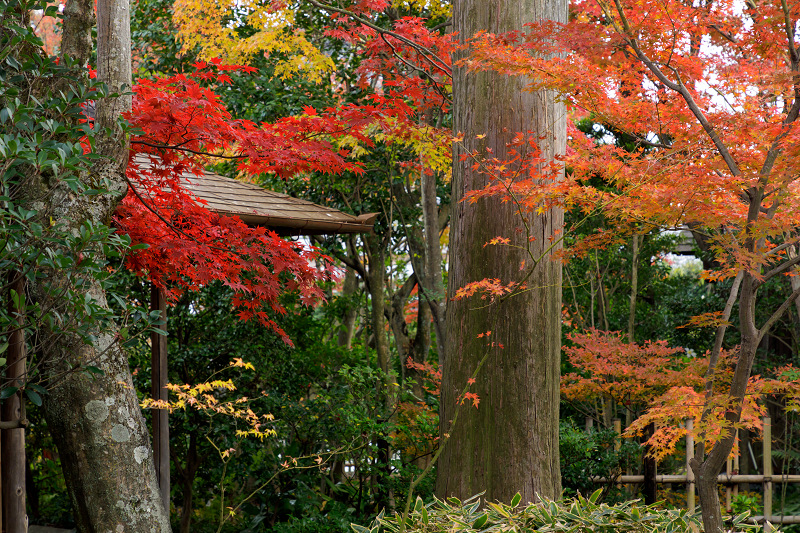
point(257, 206)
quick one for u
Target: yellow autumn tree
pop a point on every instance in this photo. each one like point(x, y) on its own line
point(212, 29)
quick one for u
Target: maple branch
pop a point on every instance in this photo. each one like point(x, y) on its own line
point(446, 23)
point(400, 296)
point(794, 111)
point(794, 54)
point(425, 52)
point(724, 34)
point(780, 269)
point(713, 360)
point(173, 227)
point(184, 149)
point(425, 73)
point(353, 264)
point(777, 314)
point(783, 246)
point(681, 89)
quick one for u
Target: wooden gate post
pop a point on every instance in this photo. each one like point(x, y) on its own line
point(12, 449)
point(767, 460)
point(736, 464)
point(690, 501)
point(159, 392)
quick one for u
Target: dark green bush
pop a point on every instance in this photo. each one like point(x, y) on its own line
point(586, 455)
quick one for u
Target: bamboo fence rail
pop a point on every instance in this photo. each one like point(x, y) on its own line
point(730, 478)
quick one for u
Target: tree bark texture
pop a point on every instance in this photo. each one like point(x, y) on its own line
point(510, 443)
point(95, 418)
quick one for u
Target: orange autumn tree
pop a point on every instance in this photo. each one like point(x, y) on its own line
point(656, 385)
point(711, 91)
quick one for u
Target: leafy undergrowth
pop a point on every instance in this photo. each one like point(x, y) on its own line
point(575, 515)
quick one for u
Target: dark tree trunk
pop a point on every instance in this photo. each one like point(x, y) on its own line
point(649, 488)
point(510, 443)
point(708, 466)
point(187, 476)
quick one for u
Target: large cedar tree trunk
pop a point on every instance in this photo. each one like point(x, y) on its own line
point(510, 443)
point(94, 418)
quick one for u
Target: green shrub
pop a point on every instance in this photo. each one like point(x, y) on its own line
point(574, 515)
point(586, 455)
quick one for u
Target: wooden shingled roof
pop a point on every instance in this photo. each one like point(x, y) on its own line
point(257, 206)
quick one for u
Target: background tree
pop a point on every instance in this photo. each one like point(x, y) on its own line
point(510, 443)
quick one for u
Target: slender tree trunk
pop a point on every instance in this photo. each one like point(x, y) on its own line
point(649, 487)
point(347, 329)
point(187, 475)
point(376, 281)
point(376, 277)
point(431, 287)
point(510, 443)
point(637, 240)
point(707, 467)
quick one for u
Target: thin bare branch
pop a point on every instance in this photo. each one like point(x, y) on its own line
point(777, 314)
point(431, 57)
point(681, 89)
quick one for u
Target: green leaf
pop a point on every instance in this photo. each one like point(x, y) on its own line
point(3, 348)
point(94, 370)
point(500, 509)
point(516, 499)
point(595, 496)
point(418, 504)
point(8, 392)
point(481, 521)
point(130, 343)
point(34, 397)
point(359, 529)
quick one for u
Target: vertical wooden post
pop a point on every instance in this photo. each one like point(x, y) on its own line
point(13, 440)
point(649, 486)
point(618, 441)
point(589, 423)
point(159, 392)
point(736, 464)
point(767, 460)
point(690, 502)
point(728, 468)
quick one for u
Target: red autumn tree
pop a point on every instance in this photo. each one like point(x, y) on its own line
point(182, 127)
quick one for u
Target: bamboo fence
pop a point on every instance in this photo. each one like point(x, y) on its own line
point(730, 478)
